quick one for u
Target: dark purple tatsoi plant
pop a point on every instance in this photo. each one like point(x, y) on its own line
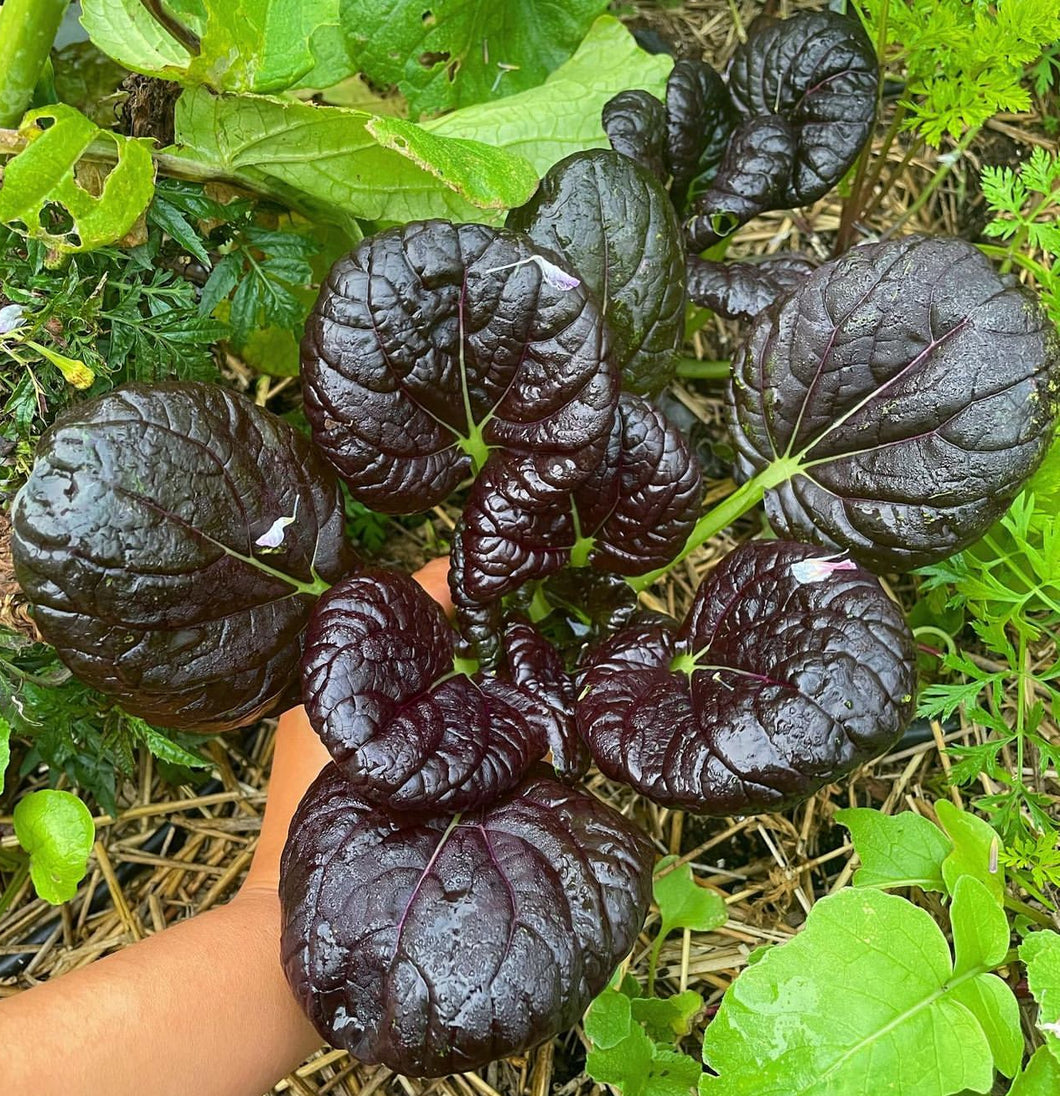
point(448, 898)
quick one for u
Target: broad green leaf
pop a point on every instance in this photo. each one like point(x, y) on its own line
point(325, 159)
point(1040, 1078)
point(57, 831)
point(609, 1019)
point(862, 1002)
point(667, 1019)
point(980, 927)
point(5, 748)
point(683, 903)
point(901, 850)
point(244, 45)
point(49, 173)
point(562, 116)
point(637, 1066)
point(1041, 952)
point(451, 53)
point(975, 849)
point(994, 1005)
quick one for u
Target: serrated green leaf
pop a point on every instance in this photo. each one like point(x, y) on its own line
point(326, 160)
point(165, 749)
point(1041, 953)
point(1040, 1078)
point(46, 174)
point(609, 1019)
point(57, 831)
point(452, 53)
point(667, 1019)
point(683, 903)
point(975, 852)
point(562, 116)
point(244, 45)
point(860, 1003)
point(901, 850)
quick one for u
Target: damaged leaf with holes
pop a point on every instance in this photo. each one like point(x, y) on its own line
point(63, 189)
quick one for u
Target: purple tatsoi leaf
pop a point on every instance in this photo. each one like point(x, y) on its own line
point(912, 388)
point(432, 344)
point(699, 121)
point(436, 944)
point(773, 687)
point(140, 540)
point(610, 221)
point(635, 124)
point(407, 730)
point(740, 290)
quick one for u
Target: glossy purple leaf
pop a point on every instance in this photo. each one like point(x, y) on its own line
point(436, 944)
point(610, 221)
point(144, 536)
point(405, 728)
point(740, 290)
point(782, 678)
point(635, 124)
point(699, 122)
point(432, 344)
point(804, 89)
point(915, 387)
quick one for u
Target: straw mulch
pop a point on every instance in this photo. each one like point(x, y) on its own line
point(175, 852)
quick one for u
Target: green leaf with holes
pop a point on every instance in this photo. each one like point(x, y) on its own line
point(53, 192)
point(57, 831)
point(230, 45)
point(451, 53)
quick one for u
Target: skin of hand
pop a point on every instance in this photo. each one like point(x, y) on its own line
point(202, 1007)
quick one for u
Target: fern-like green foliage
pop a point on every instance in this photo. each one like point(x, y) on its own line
point(965, 60)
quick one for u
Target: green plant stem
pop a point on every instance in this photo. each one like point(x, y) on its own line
point(13, 887)
point(27, 30)
point(941, 174)
point(746, 496)
point(693, 368)
point(1018, 257)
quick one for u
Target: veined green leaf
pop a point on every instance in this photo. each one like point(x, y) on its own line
point(863, 1001)
point(48, 175)
point(562, 116)
point(1040, 1078)
point(975, 849)
point(901, 850)
point(57, 831)
point(1041, 952)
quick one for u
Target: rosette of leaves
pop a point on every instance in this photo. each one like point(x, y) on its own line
point(611, 223)
point(433, 344)
point(912, 392)
point(407, 729)
point(791, 668)
point(437, 943)
point(173, 539)
point(788, 120)
point(632, 513)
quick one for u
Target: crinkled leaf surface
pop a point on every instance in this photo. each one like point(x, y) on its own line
point(863, 1001)
point(436, 944)
point(434, 343)
point(782, 678)
point(136, 538)
point(805, 88)
point(49, 172)
point(915, 389)
point(901, 850)
point(407, 731)
point(562, 116)
point(635, 124)
point(57, 831)
point(345, 164)
point(610, 221)
point(242, 45)
point(740, 290)
point(632, 513)
point(699, 122)
point(451, 53)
